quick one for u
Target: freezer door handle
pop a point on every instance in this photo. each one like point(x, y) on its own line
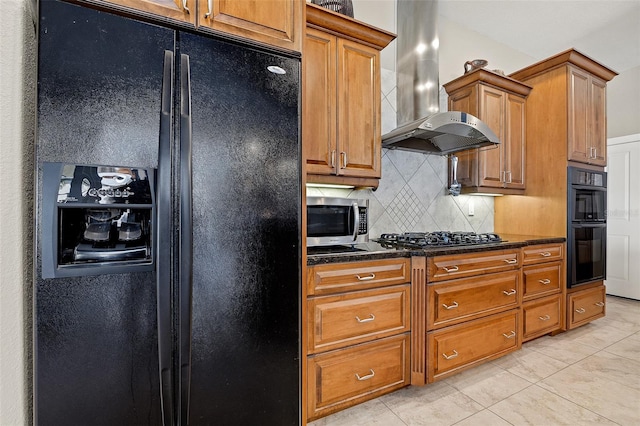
point(186, 237)
point(163, 241)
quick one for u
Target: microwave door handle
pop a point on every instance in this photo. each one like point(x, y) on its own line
point(356, 220)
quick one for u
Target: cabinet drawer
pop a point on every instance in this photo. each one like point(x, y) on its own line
point(542, 253)
point(541, 316)
point(455, 301)
point(346, 377)
point(540, 280)
point(341, 277)
point(461, 346)
point(585, 306)
point(349, 318)
point(447, 267)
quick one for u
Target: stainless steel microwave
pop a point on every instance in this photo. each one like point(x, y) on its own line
point(337, 221)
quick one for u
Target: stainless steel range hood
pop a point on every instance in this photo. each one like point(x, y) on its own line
point(441, 133)
point(421, 127)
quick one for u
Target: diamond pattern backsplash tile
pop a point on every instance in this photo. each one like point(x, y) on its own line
point(406, 209)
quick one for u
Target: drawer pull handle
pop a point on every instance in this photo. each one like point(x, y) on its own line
point(580, 310)
point(511, 261)
point(367, 377)
point(545, 318)
point(600, 304)
point(452, 356)
point(544, 281)
point(510, 292)
point(453, 306)
point(510, 335)
point(545, 254)
point(371, 318)
point(367, 278)
point(454, 268)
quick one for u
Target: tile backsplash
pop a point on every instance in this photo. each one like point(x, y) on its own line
point(413, 195)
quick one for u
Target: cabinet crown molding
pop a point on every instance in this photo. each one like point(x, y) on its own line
point(344, 26)
point(489, 77)
point(570, 56)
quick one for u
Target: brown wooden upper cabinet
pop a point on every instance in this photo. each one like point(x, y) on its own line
point(341, 98)
point(573, 87)
point(500, 102)
point(273, 22)
point(587, 135)
point(178, 10)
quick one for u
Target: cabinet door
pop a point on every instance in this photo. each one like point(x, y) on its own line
point(319, 102)
point(541, 316)
point(578, 115)
point(346, 377)
point(492, 112)
point(180, 10)
point(598, 121)
point(461, 346)
point(274, 22)
point(585, 306)
point(466, 100)
point(514, 142)
point(358, 92)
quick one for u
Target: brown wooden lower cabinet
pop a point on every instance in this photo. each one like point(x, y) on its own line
point(453, 349)
point(345, 377)
point(584, 306)
point(541, 316)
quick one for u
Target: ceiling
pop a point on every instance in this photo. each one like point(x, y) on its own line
point(605, 30)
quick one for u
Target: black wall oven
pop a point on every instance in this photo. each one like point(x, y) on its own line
point(586, 226)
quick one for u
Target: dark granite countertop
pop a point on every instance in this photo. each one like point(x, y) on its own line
point(372, 250)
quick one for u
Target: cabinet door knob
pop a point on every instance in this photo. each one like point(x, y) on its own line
point(545, 318)
point(367, 377)
point(454, 268)
point(367, 278)
point(544, 281)
point(511, 261)
point(453, 355)
point(370, 318)
point(452, 306)
point(510, 292)
point(600, 304)
point(184, 6)
point(545, 254)
point(209, 11)
point(581, 310)
point(510, 335)
point(333, 158)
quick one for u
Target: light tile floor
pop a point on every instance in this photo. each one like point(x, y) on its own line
point(590, 375)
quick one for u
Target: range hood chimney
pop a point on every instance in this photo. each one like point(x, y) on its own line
point(421, 127)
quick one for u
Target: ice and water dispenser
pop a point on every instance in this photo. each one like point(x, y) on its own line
point(96, 220)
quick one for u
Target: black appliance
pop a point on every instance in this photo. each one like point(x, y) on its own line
point(436, 239)
point(586, 226)
point(199, 322)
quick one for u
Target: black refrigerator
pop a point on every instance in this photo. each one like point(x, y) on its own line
point(168, 211)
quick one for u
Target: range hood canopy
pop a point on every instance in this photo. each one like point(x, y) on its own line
point(421, 127)
point(441, 133)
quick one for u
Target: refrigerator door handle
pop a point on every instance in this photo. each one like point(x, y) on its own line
point(186, 237)
point(163, 242)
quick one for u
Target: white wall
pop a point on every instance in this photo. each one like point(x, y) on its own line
point(17, 68)
point(623, 104)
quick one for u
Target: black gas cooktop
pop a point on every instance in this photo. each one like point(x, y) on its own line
point(436, 239)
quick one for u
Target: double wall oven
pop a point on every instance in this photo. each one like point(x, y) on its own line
point(586, 226)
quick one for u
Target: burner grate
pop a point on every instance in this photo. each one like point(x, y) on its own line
point(436, 238)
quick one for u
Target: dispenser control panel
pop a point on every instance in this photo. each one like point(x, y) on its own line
point(96, 219)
